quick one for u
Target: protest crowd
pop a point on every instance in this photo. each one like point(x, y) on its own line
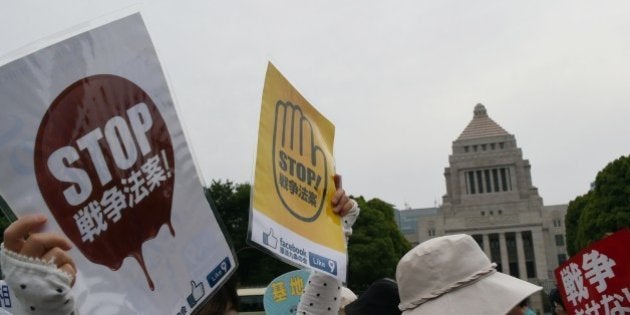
point(445, 275)
point(111, 168)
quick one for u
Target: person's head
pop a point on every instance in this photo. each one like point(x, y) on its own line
point(381, 298)
point(556, 302)
point(452, 275)
point(519, 309)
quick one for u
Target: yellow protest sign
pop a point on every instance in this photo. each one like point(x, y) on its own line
point(293, 181)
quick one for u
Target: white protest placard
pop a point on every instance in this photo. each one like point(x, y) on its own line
point(89, 136)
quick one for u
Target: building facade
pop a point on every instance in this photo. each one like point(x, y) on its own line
point(490, 196)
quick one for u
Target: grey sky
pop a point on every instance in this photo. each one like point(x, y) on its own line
point(399, 79)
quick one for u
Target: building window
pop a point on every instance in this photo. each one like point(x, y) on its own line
point(479, 239)
point(480, 182)
point(504, 183)
point(483, 147)
point(561, 258)
point(431, 232)
point(495, 250)
point(483, 213)
point(471, 182)
point(492, 146)
point(488, 180)
point(528, 249)
point(466, 149)
point(557, 222)
point(495, 177)
point(486, 176)
point(501, 145)
point(559, 240)
point(475, 148)
point(500, 211)
point(510, 242)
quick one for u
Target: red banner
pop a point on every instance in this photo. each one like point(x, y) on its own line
point(597, 279)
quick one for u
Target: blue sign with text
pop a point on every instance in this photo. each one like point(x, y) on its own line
point(219, 272)
point(322, 263)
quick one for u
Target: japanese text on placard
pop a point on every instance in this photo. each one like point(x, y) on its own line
point(93, 218)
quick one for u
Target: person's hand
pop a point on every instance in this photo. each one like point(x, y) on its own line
point(341, 202)
point(22, 237)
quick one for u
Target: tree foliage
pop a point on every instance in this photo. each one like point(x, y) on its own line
point(603, 210)
point(6, 217)
point(231, 201)
point(374, 249)
point(572, 221)
point(376, 244)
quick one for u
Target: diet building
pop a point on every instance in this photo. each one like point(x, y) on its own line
point(490, 196)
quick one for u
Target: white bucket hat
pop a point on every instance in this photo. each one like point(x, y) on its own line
point(452, 275)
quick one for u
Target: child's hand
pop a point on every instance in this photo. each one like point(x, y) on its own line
point(22, 237)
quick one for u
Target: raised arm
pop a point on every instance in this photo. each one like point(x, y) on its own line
point(322, 294)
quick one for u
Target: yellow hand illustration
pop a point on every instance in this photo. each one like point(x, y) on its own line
point(299, 164)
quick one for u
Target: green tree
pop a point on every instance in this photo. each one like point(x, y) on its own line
point(231, 201)
point(376, 244)
point(374, 249)
point(572, 221)
point(6, 217)
point(603, 210)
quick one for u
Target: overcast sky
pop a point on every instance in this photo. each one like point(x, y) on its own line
point(399, 79)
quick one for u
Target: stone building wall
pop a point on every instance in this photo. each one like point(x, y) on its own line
point(490, 195)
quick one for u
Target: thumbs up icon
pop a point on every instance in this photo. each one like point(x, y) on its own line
point(197, 293)
point(269, 239)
